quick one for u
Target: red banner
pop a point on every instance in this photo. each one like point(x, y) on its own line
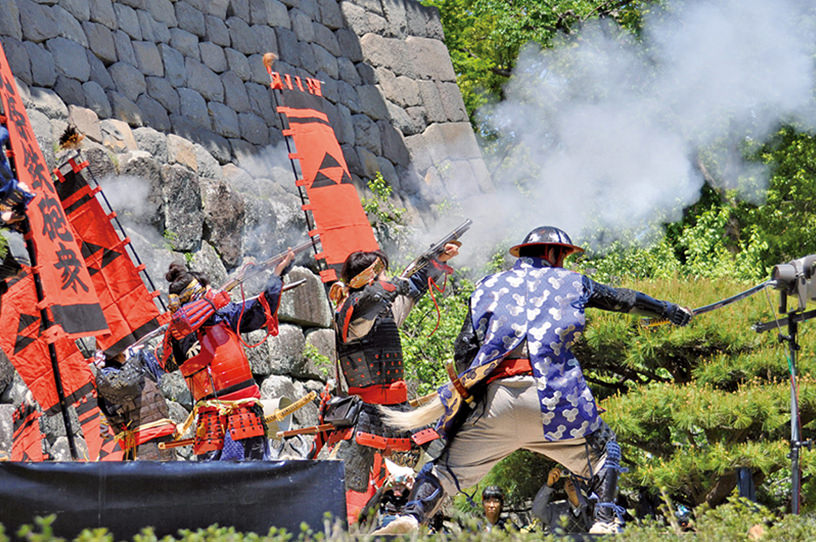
point(67, 291)
point(22, 341)
point(338, 215)
point(27, 439)
point(126, 302)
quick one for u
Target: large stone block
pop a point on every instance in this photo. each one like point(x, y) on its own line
point(161, 90)
point(325, 61)
point(238, 64)
point(49, 103)
point(306, 305)
point(213, 56)
point(181, 151)
point(224, 119)
point(174, 70)
point(100, 41)
point(372, 102)
point(330, 14)
point(194, 107)
point(185, 42)
point(349, 44)
point(395, 13)
point(366, 133)
point(235, 93)
point(183, 214)
point(190, 19)
point(393, 144)
point(69, 58)
point(127, 20)
point(117, 136)
point(253, 128)
point(215, 144)
point(340, 119)
point(153, 142)
point(451, 141)
point(302, 25)
point(223, 218)
point(70, 90)
point(452, 101)
point(86, 121)
point(69, 27)
point(128, 80)
point(137, 194)
point(243, 39)
point(10, 22)
point(99, 73)
point(432, 101)
point(277, 14)
point(101, 11)
point(148, 58)
point(239, 8)
point(174, 388)
point(163, 11)
point(203, 80)
point(39, 22)
point(208, 167)
point(6, 429)
point(428, 58)
point(286, 350)
point(17, 57)
point(124, 48)
point(402, 121)
point(217, 31)
point(266, 37)
point(43, 69)
point(153, 113)
point(347, 71)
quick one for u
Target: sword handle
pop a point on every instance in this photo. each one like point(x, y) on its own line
point(280, 414)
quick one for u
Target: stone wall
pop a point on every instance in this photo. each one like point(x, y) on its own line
point(173, 100)
point(194, 68)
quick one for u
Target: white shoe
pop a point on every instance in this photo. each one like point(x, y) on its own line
point(400, 525)
point(606, 527)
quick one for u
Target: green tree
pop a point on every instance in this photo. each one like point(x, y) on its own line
point(484, 36)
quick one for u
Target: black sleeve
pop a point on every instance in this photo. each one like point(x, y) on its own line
point(608, 298)
point(466, 346)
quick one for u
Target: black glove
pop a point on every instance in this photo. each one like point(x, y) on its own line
point(676, 314)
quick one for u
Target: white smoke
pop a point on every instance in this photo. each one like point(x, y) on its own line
point(603, 132)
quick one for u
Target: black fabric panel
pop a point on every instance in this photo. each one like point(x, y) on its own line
point(251, 496)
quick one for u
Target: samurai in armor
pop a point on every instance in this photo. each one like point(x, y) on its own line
point(369, 310)
point(130, 398)
point(14, 199)
point(204, 342)
point(525, 388)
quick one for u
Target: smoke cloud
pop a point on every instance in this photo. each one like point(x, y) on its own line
point(603, 133)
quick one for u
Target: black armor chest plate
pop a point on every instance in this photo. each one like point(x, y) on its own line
point(375, 359)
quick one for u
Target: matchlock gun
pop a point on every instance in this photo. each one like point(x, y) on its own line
point(436, 249)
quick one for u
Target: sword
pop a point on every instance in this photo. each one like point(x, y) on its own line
point(654, 322)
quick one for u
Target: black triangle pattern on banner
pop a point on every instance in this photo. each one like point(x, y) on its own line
point(324, 175)
point(25, 321)
point(92, 270)
point(109, 256)
point(21, 342)
point(329, 161)
point(89, 248)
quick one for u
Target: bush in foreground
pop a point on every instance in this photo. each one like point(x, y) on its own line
point(737, 520)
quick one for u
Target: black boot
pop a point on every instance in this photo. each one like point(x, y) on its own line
point(608, 515)
point(423, 501)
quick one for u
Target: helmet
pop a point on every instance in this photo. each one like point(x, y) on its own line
point(547, 235)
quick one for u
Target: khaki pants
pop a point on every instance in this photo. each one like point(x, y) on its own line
point(507, 420)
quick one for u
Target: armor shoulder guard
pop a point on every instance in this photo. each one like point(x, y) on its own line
point(190, 317)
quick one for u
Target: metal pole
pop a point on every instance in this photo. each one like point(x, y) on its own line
point(796, 474)
point(52, 351)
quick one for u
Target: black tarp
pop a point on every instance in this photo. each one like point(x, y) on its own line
point(251, 496)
